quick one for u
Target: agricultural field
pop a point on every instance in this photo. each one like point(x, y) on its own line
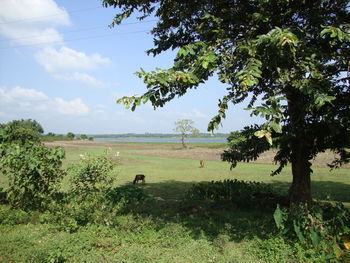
point(169, 227)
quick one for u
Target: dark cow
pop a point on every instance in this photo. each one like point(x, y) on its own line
point(139, 177)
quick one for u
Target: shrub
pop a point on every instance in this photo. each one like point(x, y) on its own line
point(320, 227)
point(13, 216)
point(34, 172)
point(241, 193)
point(129, 193)
point(92, 174)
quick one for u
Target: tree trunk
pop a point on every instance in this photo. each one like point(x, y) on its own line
point(183, 141)
point(300, 190)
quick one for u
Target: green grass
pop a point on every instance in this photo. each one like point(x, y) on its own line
point(170, 230)
point(169, 178)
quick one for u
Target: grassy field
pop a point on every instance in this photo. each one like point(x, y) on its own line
point(171, 175)
point(171, 230)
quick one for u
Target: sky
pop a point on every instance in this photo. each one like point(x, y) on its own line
point(62, 65)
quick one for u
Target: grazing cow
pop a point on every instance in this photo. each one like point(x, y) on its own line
point(201, 163)
point(139, 177)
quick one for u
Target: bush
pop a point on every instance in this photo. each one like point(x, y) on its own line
point(320, 227)
point(13, 216)
point(92, 174)
point(102, 208)
point(241, 193)
point(34, 172)
point(129, 193)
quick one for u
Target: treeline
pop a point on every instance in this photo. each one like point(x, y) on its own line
point(21, 130)
point(158, 135)
point(69, 136)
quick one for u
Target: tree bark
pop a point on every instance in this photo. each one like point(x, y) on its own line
point(183, 141)
point(300, 190)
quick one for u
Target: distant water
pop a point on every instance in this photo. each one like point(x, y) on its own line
point(166, 140)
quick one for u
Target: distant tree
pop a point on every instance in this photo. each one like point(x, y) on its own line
point(20, 131)
point(185, 127)
point(27, 124)
point(90, 138)
point(83, 137)
point(70, 136)
point(19, 135)
point(290, 59)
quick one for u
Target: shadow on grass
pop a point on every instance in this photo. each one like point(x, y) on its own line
point(204, 218)
point(322, 190)
point(216, 219)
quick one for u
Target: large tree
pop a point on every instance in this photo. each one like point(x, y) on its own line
point(289, 59)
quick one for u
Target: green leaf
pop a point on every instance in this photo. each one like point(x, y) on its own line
point(205, 64)
point(298, 232)
point(269, 139)
point(278, 216)
point(260, 134)
point(315, 237)
point(276, 127)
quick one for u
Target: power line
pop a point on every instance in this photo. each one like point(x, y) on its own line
point(58, 14)
point(74, 31)
point(76, 39)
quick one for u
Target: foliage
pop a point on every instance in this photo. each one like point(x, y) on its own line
point(184, 127)
point(74, 211)
point(19, 136)
point(130, 194)
point(289, 58)
point(244, 146)
point(34, 172)
point(83, 137)
point(322, 227)
point(241, 193)
point(10, 216)
point(70, 135)
point(58, 137)
point(92, 174)
point(29, 124)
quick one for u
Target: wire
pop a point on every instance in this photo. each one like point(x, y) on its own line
point(58, 14)
point(73, 31)
point(76, 39)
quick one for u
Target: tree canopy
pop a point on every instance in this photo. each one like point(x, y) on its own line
point(20, 131)
point(289, 59)
point(27, 124)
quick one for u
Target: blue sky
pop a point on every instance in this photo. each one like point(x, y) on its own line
point(61, 65)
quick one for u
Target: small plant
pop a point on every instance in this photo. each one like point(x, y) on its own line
point(92, 174)
point(34, 172)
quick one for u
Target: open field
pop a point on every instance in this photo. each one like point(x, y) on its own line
point(169, 230)
point(170, 169)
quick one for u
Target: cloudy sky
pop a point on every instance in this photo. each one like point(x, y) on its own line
point(61, 65)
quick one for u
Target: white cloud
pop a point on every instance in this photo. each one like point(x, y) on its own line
point(66, 64)
point(80, 77)
point(72, 107)
point(31, 21)
point(195, 113)
point(21, 95)
point(67, 59)
point(19, 101)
